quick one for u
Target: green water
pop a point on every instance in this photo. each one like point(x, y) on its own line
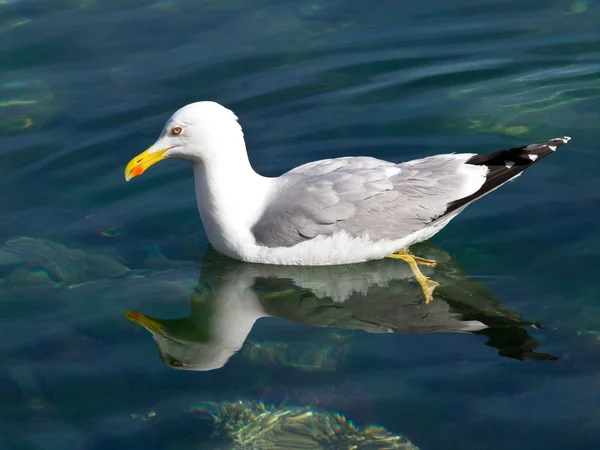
point(507, 356)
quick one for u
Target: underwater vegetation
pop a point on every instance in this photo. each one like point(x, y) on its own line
point(255, 425)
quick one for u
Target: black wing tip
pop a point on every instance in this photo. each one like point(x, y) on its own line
point(552, 144)
point(520, 155)
point(541, 149)
point(563, 139)
point(506, 164)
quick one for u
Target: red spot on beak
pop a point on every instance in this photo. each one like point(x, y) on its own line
point(137, 171)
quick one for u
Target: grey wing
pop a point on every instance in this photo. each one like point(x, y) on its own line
point(364, 196)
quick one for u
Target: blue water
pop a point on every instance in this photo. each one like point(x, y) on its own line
point(85, 85)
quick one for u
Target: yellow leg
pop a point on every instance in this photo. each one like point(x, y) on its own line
point(419, 261)
point(427, 285)
point(424, 262)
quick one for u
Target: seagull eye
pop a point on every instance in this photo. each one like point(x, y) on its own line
point(176, 130)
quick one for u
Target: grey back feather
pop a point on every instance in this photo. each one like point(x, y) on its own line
point(361, 196)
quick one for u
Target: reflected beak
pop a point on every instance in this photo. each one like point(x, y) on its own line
point(141, 162)
point(148, 323)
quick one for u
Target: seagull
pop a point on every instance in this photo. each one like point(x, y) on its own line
point(328, 212)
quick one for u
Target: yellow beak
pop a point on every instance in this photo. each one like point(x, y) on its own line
point(150, 324)
point(141, 162)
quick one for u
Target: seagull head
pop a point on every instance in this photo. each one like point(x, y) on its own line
point(196, 133)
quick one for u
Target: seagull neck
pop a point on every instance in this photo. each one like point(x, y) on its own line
point(231, 196)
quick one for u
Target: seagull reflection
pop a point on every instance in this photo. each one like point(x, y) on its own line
point(377, 297)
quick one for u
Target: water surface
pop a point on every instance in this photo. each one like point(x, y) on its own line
point(507, 356)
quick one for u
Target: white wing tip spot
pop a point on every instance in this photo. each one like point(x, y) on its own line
point(532, 156)
point(552, 147)
point(509, 164)
point(564, 139)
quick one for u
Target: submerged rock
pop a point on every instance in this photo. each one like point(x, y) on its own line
point(26, 260)
point(255, 425)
